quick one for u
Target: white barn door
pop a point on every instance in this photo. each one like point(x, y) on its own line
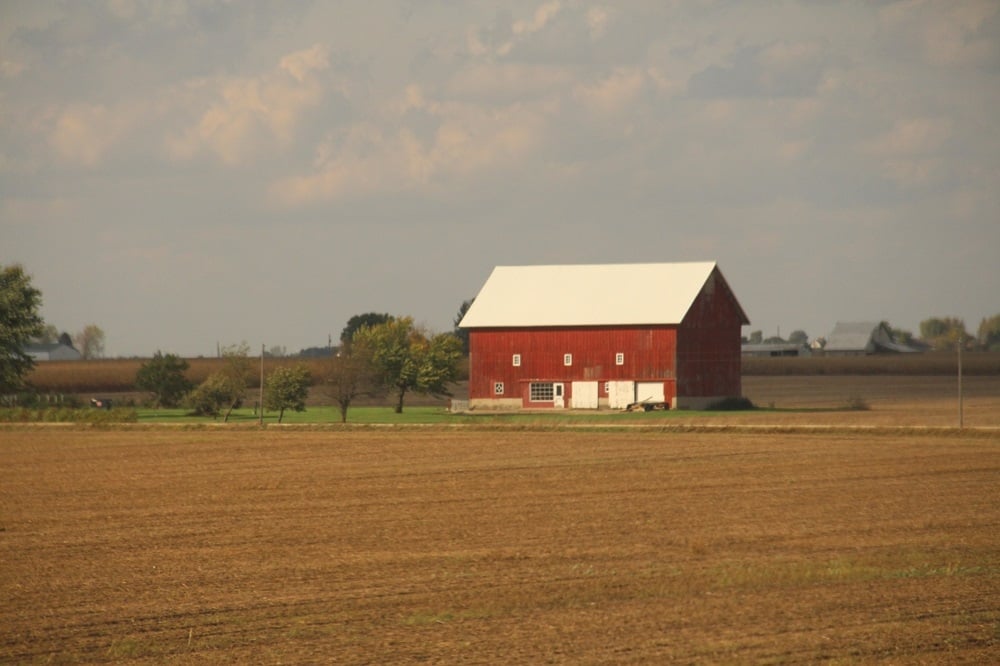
point(584, 395)
point(620, 394)
point(649, 392)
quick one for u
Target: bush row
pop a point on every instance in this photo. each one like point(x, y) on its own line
point(68, 415)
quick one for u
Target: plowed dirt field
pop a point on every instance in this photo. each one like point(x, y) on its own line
point(377, 546)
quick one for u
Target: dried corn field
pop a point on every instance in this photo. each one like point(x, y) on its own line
point(507, 546)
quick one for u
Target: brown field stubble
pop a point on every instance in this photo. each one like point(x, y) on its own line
point(411, 545)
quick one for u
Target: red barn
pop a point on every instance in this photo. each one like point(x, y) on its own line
point(591, 336)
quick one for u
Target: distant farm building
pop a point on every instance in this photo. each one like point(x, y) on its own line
point(860, 338)
point(776, 349)
point(54, 351)
point(606, 335)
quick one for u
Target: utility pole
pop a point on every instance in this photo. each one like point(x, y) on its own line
point(260, 417)
point(961, 342)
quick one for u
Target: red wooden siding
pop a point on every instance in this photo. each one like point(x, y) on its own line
point(649, 355)
point(708, 343)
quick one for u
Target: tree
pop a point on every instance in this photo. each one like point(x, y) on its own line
point(163, 376)
point(90, 341)
point(944, 333)
point(66, 339)
point(463, 333)
point(19, 323)
point(49, 334)
point(209, 397)
point(899, 335)
point(988, 334)
point(357, 322)
point(225, 388)
point(351, 375)
point(756, 337)
point(408, 359)
point(799, 337)
point(287, 388)
point(235, 375)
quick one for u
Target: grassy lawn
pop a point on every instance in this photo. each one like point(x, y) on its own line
point(414, 415)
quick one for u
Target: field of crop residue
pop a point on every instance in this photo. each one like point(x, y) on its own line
point(506, 546)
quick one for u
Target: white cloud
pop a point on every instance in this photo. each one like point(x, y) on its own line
point(909, 150)
point(613, 94)
point(947, 33)
point(912, 136)
point(379, 156)
point(248, 115)
point(597, 21)
point(543, 14)
point(84, 133)
point(508, 81)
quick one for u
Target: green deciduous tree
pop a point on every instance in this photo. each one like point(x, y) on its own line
point(236, 375)
point(357, 322)
point(351, 375)
point(209, 397)
point(988, 335)
point(409, 359)
point(287, 388)
point(799, 337)
point(163, 376)
point(19, 323)
point(463, 333)
point(944, 332)
point(226, 388)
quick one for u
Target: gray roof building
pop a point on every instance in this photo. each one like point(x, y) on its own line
point(859, 338)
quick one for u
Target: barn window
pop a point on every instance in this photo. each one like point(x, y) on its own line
point(607, 387)
point(619, 358)
point(516, 360)
point(542, 392)
point(567, 359)
point(498, 388)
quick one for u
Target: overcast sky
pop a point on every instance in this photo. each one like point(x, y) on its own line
point(185, 174)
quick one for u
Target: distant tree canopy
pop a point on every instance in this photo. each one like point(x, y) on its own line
point(360, 321)
point(898, 334)
point(463, 333)
point(90, 341)
point(409, 359)
point(287, 388)
point(350, 375)
point(944, 332)
point(225, 388)
point(799, 337)
point(988, 335)
point(756, 337)
point(163, 376)
point(20, 322)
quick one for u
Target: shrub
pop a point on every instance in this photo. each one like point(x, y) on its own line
point(857, 403)
point(732, 404)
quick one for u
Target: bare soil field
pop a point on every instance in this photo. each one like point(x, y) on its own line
point(438, 545)
point(891, 400)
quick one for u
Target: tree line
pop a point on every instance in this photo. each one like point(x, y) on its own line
point(379, 355)
point(938, 333)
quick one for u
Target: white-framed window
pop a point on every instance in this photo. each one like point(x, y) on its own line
point(567, 359)
point(497, 388)
point(607, 387)
point(515, 360)
point(619, 358)
point(541, 392)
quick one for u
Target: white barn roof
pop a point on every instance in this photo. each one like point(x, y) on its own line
point(587, 295)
